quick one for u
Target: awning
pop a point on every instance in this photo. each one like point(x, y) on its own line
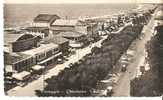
point(52, 57)
point(38, 67)
point(21, 75)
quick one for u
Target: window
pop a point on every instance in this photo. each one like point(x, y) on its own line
point(49, 53)
point(41, 56)
point(56, 50)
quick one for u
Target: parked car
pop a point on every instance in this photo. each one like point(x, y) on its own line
point(60, 61)
point(70, 65)
point(124, 68)
point(130, 54)
point(124, 58)
point(142, 69)
point(109, 90)
point(22, 84)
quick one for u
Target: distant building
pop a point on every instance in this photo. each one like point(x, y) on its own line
point(45, 54)
point(41, 24)
point(63, 25)
point(44, 20)
point(38, 31)
point(16, 42)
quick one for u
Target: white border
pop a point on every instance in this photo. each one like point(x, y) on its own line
point(3, 97)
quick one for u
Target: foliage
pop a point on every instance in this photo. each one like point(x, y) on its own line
point(95, 66)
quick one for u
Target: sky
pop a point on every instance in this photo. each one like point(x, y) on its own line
point(81, 1)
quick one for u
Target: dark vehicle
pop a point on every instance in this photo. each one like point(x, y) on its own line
point(142, 69)
point(105, 88)
point(60, 61)
point(124, 68)
point(109, 91)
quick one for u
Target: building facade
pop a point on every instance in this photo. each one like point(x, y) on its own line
point(18, 62)
point(63, 25)
point(45, 54)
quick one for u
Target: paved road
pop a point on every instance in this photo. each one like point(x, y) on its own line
point(123, 85)
point(38, 84)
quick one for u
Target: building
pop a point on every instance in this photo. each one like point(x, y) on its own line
point(17, 62)
point(76, 39)
point(38, 31)
point(46, 54)
point(16, 42)
point(41, 24)
point(62, 42)
point(63, 25)
point(44, 20)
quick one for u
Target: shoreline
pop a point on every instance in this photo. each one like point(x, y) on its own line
point(115, 14)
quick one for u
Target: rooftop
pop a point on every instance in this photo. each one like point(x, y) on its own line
point(8, 38)
point(36, 28)
point(41, 49)
point(16, 57)
point(13, 37)
point(57, 39)
point(65, 22)
point(46, 18)
point(71, 34)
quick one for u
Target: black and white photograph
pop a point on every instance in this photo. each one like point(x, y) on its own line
point(83, 48)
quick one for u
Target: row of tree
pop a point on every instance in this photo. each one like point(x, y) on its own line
point(150, 84)
point(84, 74)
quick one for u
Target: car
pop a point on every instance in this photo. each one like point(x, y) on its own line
point(60, 61)
point(124, 58)
point(71, 64)
point(142, 69)
point(22, 84)
point(125, 61)
point(109, 90)
point(124, 68)
point(130, 53)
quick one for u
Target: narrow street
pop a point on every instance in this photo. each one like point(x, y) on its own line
point(122, 88)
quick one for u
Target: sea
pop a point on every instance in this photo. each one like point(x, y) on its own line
point(16, 15)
